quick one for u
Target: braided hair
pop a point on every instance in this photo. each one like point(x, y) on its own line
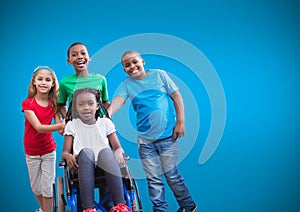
point(72, 113)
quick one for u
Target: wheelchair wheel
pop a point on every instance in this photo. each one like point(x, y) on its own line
point(54, 203)
point(136, 202)
point(60, 192)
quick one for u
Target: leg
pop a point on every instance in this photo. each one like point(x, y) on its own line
point(39, 198)
point(34, 170)
point(47, 204)
point(86, 177)
point(109, 203)
point(169, 159)
point(152, 167)
point(108, 163)
point(47, 179)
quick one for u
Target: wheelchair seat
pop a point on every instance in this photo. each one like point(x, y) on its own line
point(69, 184)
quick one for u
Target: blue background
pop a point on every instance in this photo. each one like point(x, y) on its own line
point(253, 46)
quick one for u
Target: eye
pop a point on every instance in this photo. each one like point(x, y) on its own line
point(91, 103)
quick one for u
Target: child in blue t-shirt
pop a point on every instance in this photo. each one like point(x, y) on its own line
point(160, 122)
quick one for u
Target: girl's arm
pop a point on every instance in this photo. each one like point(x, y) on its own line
point(58, 120)
point(116, 146)
point(67, 155)
point(179, 107)
point(41, 128)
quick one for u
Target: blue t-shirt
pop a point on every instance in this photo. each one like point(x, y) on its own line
point(150, 97)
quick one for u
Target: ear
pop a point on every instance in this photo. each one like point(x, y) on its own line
point(143, 61)
point(68, 61)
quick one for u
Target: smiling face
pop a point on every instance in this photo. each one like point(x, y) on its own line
point(86, 107)
point(79, 58)
point(134, 65)
point(43, 81)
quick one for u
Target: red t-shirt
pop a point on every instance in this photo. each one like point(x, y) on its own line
point(36, 143)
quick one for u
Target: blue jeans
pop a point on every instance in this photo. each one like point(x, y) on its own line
point(160, 158)
point(87, 170)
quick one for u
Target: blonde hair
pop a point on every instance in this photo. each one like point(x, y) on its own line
point(53, 93)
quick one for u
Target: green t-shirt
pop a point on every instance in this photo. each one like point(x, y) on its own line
point(69, 84)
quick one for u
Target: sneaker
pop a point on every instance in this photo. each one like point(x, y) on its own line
point(120, 208)
point(90, 210)
point(191, 209)
point(39, 210)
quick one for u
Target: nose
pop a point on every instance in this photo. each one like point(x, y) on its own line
point(132, 65)
point(85, 106)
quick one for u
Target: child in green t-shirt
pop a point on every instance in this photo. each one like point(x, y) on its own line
point(79, 57)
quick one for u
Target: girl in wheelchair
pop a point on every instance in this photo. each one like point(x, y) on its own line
point(91, 145)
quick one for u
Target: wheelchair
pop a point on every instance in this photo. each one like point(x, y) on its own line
point(68, 186)
point(68, 189)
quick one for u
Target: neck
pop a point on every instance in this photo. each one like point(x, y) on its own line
point(41, 97)
point(89, 122)
point(143, 75)
point(82, 73)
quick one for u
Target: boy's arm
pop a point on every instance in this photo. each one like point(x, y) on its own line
point(106, 104)
point(62, 110)
point(115, 105)
point(179, 107)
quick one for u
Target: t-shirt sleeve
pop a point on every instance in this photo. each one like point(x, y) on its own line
point(69, 129)
point(109, 126)
point(62, 97)
point(104, 90)
point(26, 105)
point(169, 83)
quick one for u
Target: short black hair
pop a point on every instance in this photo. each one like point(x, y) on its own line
point(74, 44)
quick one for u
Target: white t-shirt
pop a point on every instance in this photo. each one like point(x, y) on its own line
point(90, 136)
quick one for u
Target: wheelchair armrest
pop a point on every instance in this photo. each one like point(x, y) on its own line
point(62, 163)
point(126, 157)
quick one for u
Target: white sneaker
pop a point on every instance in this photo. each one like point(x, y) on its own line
point(39, 210)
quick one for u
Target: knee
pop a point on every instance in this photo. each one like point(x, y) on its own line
point(86, 154)
point(106, 154)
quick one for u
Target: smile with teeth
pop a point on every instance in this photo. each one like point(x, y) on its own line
point(80, 63)
point(134, 71)
point(43, 87)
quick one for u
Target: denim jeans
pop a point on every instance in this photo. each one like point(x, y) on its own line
point(160, 158)
point(87, 170)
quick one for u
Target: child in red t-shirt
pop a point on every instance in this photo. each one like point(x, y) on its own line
point(40, 108)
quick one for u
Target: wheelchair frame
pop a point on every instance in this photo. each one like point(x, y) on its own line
point(69, 186)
